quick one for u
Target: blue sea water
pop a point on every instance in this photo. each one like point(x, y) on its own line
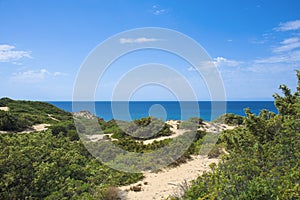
point(163, 109)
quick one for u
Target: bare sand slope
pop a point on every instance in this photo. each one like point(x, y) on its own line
point(37, 128)
point(40, 127)
point(168, 181)
point(4, 108)
point(177, 133)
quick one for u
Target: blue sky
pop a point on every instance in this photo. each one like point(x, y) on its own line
point(254, 43)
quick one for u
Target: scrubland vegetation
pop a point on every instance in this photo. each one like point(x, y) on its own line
point(263, 160)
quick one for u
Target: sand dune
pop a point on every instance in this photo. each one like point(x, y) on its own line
point(168, 181)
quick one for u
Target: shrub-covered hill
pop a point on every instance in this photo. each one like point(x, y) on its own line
point(264, 159)
point(54, 164)
point(51, 164)
point(23, 114)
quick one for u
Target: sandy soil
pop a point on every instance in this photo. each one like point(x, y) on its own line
point(40, 127)
point(51, 117)
point(4, 108)
point(97, 137)
point(177, 133)
point(215, 127)
point(34, 128)
point(168, 181)
point(37, 128)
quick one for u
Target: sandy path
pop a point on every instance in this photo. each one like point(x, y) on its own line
point(167, 182)
point(177, 133)
point(51, 117)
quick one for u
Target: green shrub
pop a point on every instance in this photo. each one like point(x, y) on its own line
point(264, 156)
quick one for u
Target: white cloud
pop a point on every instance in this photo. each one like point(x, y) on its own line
point(288, 26)
point(33, 76)
point(8, 54)
point(290, 40)
point(216, 62)
point(137, 40)
point(288, 45)
point(292, 57)
point(157, 10)
point(6, 47)
point(221, 61)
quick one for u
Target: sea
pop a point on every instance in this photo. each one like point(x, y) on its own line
point(165, 110)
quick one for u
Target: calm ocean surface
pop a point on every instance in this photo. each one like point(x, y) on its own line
point(162, 109)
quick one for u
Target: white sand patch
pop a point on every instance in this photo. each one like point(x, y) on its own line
point(167, 182)
point(3, 132)
point(4, 109)
point(173, 124)
point(50, 116)
point(40, 127)
point(177, 133)
point(97, 137)
point(36, 128)
point(215, 127)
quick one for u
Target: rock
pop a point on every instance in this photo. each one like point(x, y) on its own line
point(84, 114)
point(136, 188)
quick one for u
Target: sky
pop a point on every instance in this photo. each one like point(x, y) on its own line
point(255, 45)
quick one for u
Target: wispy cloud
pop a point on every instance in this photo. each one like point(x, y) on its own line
point(289, 26)
point(221, 61)
point(216, 62)
point(288, 45)
point(9, 54)
point(292, 57)
point(285, 53)
point(137, 40)
point(34, 76)
point(157, 10)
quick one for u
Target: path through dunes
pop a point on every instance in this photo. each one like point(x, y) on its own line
point(168, 181)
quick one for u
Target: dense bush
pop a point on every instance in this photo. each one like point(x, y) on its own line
point(230, 119)
point(264, 158)
point(44, 166)
point(147, 128)
point(12, 122)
